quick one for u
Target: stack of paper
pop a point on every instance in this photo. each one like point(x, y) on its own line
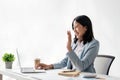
point(70, 73)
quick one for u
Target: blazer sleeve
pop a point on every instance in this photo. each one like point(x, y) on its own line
point(61, 64)
point(90, 54)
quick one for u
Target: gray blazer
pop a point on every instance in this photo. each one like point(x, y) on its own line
point(84, 62)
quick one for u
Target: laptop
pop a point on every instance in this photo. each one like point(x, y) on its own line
point(28, 69)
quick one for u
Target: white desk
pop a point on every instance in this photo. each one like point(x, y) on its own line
point(49, 75)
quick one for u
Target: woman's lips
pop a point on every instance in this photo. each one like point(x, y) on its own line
point(76, 33)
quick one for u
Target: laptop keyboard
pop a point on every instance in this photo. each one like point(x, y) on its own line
point(27, 69)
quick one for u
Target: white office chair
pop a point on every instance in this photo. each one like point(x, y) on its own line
point(103, 63)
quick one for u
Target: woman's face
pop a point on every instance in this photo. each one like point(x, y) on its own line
point(79, 30)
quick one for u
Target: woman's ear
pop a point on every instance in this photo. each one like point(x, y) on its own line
point(85, 28)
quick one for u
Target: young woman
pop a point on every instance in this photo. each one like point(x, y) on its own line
point(84, 49)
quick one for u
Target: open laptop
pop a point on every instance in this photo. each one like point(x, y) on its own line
point(28, 69)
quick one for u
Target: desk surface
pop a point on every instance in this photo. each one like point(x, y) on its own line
point(49, 75)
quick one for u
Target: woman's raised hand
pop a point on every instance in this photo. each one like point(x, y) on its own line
point(69, 41)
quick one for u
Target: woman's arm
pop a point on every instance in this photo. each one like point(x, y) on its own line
point(88, 59)
point(61, 64)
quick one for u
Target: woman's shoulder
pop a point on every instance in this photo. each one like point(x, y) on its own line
point(93, 42)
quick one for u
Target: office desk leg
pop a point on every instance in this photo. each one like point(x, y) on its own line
point(0, 76)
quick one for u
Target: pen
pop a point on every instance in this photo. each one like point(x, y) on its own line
point(69, 70)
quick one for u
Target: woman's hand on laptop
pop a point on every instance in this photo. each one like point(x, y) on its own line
point(43, 66)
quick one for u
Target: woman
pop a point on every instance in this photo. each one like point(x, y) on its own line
point(84, 49)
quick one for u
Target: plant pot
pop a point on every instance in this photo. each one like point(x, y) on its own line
point(8, 65)
point(1, 77)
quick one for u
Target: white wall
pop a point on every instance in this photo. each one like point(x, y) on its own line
point(38, 27)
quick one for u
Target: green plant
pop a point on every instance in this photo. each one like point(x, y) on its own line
point(8, 57)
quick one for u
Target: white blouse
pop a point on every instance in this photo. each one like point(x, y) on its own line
point(79, 48)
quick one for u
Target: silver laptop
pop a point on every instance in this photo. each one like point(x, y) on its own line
point(28, 69)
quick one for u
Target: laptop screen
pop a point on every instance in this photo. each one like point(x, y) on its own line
point(18, 58)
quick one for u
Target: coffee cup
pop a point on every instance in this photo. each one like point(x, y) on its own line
point(36, 62)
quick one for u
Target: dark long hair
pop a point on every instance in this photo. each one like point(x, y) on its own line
point(85, 22)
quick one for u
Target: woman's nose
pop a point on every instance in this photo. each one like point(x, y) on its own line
point(74, 30)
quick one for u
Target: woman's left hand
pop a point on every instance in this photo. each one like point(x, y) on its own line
point(69, 41)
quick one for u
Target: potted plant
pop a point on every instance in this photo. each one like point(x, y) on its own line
point(8, 58)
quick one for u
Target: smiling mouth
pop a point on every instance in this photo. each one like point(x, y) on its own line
point(76, 33)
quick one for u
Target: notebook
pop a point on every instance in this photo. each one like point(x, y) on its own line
point(28, 69)
point(70, 73)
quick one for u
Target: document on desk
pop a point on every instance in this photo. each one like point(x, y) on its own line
point(70, 73)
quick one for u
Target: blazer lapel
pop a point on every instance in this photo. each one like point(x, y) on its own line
point(81, 55)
